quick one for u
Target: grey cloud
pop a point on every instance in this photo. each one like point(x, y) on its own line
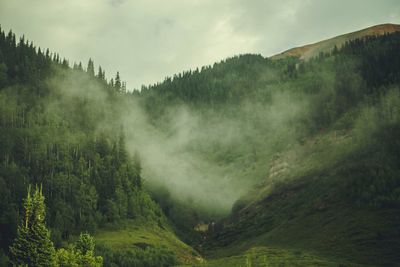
point(148, 40)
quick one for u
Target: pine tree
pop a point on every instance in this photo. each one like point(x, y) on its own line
point(90, 68)
point(85, 244)
point(100, 74)
point(32, 246)
point(123, 88)
point(117, 84)
point(48, 54)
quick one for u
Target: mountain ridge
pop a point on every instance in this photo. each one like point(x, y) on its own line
point(310, 50)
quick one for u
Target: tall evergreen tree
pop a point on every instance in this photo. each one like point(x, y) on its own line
point(118, 84)
point(85, 244)
point(90, 68)
point(100, 74)
point(32, 246)
point(123, 88)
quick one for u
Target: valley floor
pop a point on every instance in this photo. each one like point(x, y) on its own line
point(267, 256)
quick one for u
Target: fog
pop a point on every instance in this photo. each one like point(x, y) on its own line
point(205, 158)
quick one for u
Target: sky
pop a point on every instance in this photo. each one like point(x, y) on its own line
point(147, 40)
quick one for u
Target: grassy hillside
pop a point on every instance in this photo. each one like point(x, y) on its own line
point(337, 198)
point(134, 235)
point(326, 46)
point(267, 256)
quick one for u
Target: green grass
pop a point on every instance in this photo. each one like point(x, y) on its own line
point(267, 256)
point(134, 234)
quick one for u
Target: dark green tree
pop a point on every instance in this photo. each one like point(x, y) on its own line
point(118, 84)
point(123, 88)
point(90, 68)
point(101, 74)
point(32, 246)
point(85, 244)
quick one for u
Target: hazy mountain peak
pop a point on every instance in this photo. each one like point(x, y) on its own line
point(310, 50)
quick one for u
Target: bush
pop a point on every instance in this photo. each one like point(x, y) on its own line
point(151, 256)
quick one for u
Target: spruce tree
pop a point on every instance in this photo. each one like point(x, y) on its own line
point(32, 246)
point(90, 68)
point(123, 88)
point(100, 74)
point(85, 244)
point(118, 84)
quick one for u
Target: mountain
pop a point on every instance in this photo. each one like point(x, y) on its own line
point(312, 50)
point(252, 161)
point(333, 193)
point(308, 146)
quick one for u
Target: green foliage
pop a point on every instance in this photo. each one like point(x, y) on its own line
point(3, 258)
point(134, 236)
point(32, 245)
point(85, 244)
point(3, 74)
point(267, 256)
point(377, 182)
point(90, 68)
point(149, 256)
point(80, 255)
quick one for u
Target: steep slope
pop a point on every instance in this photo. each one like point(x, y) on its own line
point(336, 193)
point(317, 137)
point(312, 50)
point(316, 208)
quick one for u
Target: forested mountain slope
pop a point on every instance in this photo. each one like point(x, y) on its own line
point(265, 156)
point(317, 139)
point(60, 129)
point(337, 192)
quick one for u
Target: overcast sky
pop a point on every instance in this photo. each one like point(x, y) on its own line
point(147, 40)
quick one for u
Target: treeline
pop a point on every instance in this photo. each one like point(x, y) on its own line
point(228, 82)
point(21, 62)
point(335, 81)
